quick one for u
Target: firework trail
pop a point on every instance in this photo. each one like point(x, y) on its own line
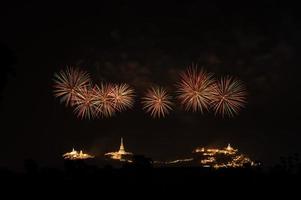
point(228, 96)
point(103, 100)
point(157, 102)
point(84, 103)
point(66, 83)
point(122, 96)
point(194, 89)
point(197, 90)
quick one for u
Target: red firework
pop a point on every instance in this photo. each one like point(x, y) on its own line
point(194, 89)
point(103, 100)
point(122, 96)
point(157, 102)
point(84, 103)
point(67, 83)
point(228, 96)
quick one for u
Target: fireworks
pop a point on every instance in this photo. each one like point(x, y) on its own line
point(194, 89)
point(84, 103)
point(228, 96)
point(157, 102)
point(68, 82)
point(122, 96)
point(74, 88)
point(197, 90)
point(103, 100)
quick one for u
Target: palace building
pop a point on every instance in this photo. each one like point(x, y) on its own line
point(75, 155)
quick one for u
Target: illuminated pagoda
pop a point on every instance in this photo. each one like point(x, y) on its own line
point(120, 155)
point(227, 157)
point(75, 155)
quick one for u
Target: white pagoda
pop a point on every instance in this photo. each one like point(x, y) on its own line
point(121, 154)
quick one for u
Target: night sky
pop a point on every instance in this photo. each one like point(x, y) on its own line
point(144, 44)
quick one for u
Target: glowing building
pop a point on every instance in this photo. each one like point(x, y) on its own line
point(75, 155)
point(121, 154)
point(227, 157)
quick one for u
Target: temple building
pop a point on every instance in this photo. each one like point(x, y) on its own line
point(227, 157)
point(121, 154)
point(75, 155)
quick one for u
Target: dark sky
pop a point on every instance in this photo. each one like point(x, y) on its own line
point(144, 44)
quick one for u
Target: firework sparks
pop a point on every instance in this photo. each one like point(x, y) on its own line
point(103, 100)
point(84, 103)
point(194, 89)
point(66, 83)
point(157, 102)
point(228, 96)
point(197, 90)
point(122, 96)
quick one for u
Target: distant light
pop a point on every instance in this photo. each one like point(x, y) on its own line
point(121, 154)
point(75, 155)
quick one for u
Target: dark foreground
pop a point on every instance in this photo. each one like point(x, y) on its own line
point(78, 175)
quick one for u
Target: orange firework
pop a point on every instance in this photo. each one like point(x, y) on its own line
point(157, 102)
point(228, 96)
point(122, 96)
point(103, 100)
point(66, 83)
point(84, 103)
point(194, 89)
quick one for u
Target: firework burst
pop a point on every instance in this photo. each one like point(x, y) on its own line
point(157, 102)
point(66, 83)
point(103, 100)
point(84, 103)
point(228, 96)
point(122, 96)
point(194, 89)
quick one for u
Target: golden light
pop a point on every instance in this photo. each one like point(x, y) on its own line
point(222, 158)
point(226, 157)
point(75, 155)
point(121, 154)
